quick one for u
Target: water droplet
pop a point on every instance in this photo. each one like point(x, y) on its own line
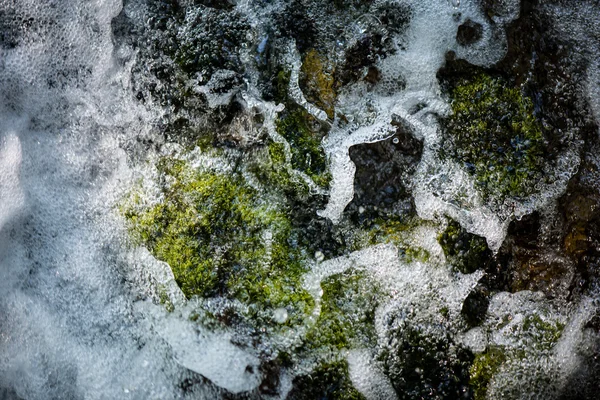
point(319, 256)
point(280, 315)
point(395, 140)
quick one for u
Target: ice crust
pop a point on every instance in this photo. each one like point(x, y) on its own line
point(71, 324)
point(11, 194)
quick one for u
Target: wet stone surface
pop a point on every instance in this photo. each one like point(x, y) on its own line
point(278, 109)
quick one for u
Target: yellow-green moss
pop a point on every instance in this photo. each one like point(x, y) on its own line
point(543, 334)
point(347, 312)
point(496, 136)
point(220, 239)
point(304, 135)
point(393, 231)
point(271, 168)
point(483, 369)
point(317, 81)
point(281, 85)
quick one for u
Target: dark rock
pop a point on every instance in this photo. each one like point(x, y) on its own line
point(475, 306)
point(422, 361)
point(382, 170)
point(469, 33)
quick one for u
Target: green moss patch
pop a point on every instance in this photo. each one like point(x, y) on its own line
point(304, 134)
point(465, 251)
point(347, 312)
point(483, 369)
point(495, 135)
point(221, 239)
point(302, 131)
point(543, 334)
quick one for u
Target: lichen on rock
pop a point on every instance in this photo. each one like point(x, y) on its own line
point(317, 81)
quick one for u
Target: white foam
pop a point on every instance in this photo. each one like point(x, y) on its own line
point(367, 378)
point(70, 327)
point(11, 195)
point(211, 354)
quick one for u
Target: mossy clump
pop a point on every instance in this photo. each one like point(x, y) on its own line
point(542, 334)
point(390, 230)
point(483, 369)
point(346, 321)
point(317, 81)
point(280, 87)
point(302, 131)
point(347, 312)
point(304, 134)
point(465, 251)
point(535, 336)
point(221, 239)
point(273, 171)
point(329, 381)
point(494, 134)
point(383, 230)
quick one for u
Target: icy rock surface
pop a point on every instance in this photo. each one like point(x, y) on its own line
point(138, 135)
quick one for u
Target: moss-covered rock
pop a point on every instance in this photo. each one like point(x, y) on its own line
point(465, 251)
point(329, 381)
point(274, 171)
point(494, 134)
point(347, 312)
point(543, 334)
point(304, 134)
point(484, 367)
point(220, 238)
point(530, 339)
